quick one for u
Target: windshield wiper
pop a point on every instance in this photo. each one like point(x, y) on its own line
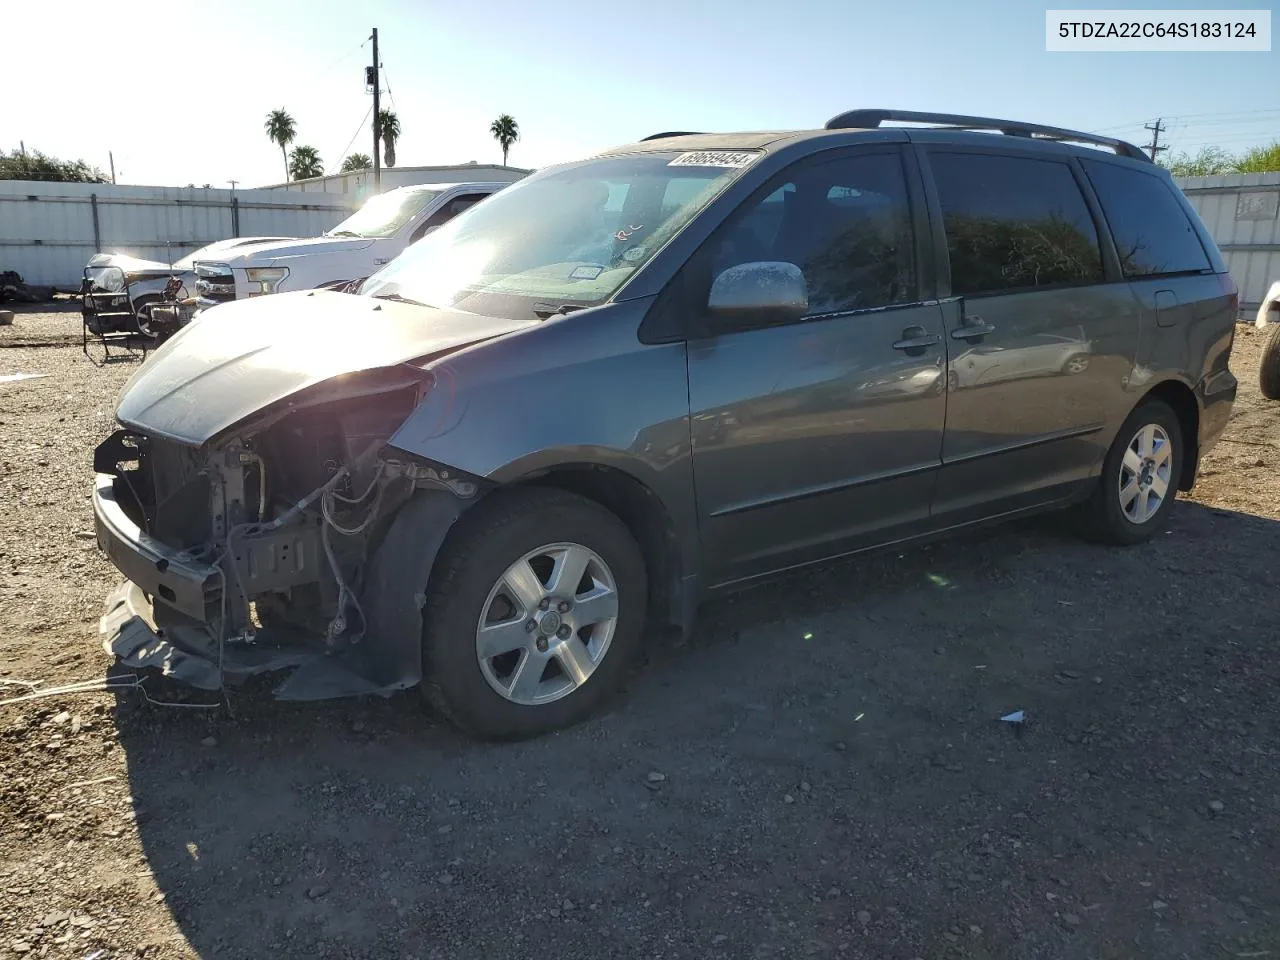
point(345, 233)
point(545, 311)
point(399, 299)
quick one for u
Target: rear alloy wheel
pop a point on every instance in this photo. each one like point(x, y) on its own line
point(535, 606)
point(1140, 475)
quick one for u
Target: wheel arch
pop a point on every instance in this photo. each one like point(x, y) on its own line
point(1182, 399)
point(645, 515)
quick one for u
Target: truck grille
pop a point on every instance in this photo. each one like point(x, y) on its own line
point(215, 282)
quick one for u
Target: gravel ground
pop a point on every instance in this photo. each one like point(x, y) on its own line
point(818, 772)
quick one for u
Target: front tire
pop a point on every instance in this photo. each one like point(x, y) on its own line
point(536, 605)
point(1139, 481)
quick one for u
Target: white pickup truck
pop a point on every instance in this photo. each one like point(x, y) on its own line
point(354, 249)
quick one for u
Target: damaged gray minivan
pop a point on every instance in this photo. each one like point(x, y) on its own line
point(622, 384)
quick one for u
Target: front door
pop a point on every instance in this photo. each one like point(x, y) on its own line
point(1040, 347)
point(815, 437)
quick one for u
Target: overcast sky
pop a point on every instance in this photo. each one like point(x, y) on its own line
point(179, 90)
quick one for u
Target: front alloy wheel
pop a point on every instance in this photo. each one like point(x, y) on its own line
point(547, 623)
point(535, 605)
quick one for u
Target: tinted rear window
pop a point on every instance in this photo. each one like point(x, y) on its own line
point(1152, 232)
point(1014, 223)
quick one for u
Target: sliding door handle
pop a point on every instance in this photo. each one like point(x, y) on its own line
point(972, 329)
point(916, 340)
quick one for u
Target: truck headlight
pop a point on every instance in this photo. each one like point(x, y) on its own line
point(267, 279)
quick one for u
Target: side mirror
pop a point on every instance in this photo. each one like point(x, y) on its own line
point(759, 293)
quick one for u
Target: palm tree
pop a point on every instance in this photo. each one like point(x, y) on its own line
point(506, 131)
point(356, 161)
point(281, 129)
point(389, 130)
point(304, 162)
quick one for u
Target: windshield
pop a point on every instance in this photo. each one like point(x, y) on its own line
point(567, 237)
point(383, 216)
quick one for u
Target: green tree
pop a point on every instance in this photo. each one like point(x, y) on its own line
point(1208, 162)
point(34, 165)
point(506, 131)
point(281, 129)
point(304, 163)
point(1260, 160)
point(389, 131)
point(356, 161)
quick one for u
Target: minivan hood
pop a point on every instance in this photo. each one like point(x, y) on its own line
point(263, 253)
point(240, 357)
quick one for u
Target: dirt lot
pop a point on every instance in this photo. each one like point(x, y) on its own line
point(818, 772)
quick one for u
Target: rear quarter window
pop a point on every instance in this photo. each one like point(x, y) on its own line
point(1152, 232)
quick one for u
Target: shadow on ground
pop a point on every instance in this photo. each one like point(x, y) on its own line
point(819, 771)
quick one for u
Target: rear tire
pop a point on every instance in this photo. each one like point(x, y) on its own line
point(1139, 481)
point(1269, 368)
point(562, 662)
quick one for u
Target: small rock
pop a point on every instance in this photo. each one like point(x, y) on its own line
point(1158, 905)
point(833, 893)
point(358, 726)
point(1216, 807)
point(788, 798)
point(656, 777)
point(804, 786)
point(975, 930)
point(62, 718)
point(1071, 919)
point(446, 829)
point(75, 724)
point(318, 891)
point(20, 946)
point(863, 917)
point(446, 878)
point(567, 905)
point(719, 938)
point(209, 742)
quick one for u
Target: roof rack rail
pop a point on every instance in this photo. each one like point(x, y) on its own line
point(870, 119)
point(671, 133)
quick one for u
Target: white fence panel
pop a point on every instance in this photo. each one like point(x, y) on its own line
point(1242, 211)
point(48, 231)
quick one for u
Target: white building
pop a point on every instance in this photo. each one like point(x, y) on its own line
point(360, 183)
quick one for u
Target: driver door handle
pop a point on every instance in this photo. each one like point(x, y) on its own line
point(971, 329)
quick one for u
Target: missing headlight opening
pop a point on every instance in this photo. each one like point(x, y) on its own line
point(253, 552)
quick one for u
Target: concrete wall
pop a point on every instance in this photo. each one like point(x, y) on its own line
point(1242, 211)
point(48, 231)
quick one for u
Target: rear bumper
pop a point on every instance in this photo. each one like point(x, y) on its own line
point(1217, 394)
point(181, 582)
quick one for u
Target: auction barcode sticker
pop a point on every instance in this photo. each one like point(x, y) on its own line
point(714, 158)
point(1169, 31)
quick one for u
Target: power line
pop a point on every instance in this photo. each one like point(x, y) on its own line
point(343, 155)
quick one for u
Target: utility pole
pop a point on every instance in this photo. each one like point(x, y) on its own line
point(376, 73)
point(112, 157)
point(233, 185)
point(1156, 129)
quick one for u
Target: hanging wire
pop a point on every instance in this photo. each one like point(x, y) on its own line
point(359, 129)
